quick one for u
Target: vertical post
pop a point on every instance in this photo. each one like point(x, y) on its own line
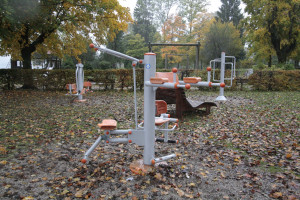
point(197, 55)
point(150, 47)
point(134, 93)
point(166, 61)
point(79, 80)
point(221, 96)
point(149, 108)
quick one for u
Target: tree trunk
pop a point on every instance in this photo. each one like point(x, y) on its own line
point(270, 61)
point(28, 78)
point(281, 57)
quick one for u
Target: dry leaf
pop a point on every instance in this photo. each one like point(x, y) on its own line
point(277, 195)
point(158, 176)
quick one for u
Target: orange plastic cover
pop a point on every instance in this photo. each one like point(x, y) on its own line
point(87, 84)
point(108, 124)
point(161, 107)
point(168, 75)
point(73, 86)
point(191, 79)
point(159, 122)
point(156, 80)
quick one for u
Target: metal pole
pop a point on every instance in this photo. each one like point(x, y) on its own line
point(135, 101)
point(166, 61)
point(79, 80)
point(149, 108)
point(221, 96)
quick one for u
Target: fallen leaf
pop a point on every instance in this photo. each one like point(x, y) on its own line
point(3, 162)
point(277, 195)
point(158, 176)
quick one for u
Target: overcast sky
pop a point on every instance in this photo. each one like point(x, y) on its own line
point(213, 7)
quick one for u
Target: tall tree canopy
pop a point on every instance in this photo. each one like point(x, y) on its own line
point(230, 11)
point(60, 26)
point(144, 19)
point(189, 9)
point(274, 23)
point(221, 37)
point(162, 13)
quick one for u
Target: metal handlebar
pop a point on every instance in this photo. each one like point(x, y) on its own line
point(114, 53)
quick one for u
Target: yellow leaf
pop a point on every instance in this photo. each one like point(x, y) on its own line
point(3, 150)
point(79, 194)
point(28, 198)
point(158, 176)
point(65, 192)
point(192, 184)
point(3, 162)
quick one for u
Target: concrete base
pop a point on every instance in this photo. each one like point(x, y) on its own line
point(138, 167)
point(221, 98)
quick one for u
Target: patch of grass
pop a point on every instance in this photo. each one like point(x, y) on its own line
point(271, 169)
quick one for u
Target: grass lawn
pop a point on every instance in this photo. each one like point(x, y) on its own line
point(247, 148)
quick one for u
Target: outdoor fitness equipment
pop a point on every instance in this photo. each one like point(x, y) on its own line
point(144, 133)
point(222, 62)
point(78, 87)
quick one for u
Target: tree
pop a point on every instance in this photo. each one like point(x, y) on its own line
point(189, 9)
point(230, 12)
point(276, 23)
point(61, 26)
point(144, 20)
point(162, 13)
point(134, 45)
point(221, 37)
point(174, 29)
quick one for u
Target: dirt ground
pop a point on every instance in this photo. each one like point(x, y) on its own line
point(221, 156)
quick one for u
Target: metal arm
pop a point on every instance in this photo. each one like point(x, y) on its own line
point(114, 53)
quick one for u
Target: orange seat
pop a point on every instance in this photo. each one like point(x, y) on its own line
point(168, 75)
point(191, 79)
point(73, 86)
point(108, 124)
point(161, 107)
point(87, 84)
point(157, 80)
point(160, 121)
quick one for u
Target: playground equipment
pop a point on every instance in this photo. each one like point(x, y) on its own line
point(144, 133)
point(223, 63)
point(80, 87)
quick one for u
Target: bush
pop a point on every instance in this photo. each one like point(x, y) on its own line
point(278, 80)
point(122, 78)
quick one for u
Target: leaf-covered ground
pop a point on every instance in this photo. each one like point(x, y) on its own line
point(247, 148)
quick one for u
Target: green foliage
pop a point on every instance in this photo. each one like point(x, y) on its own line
point(221, 37)
point(273, 26)
point(135, 45)
point(230, 12)
point(62, 27)
point(144, 23)
point(189, 9)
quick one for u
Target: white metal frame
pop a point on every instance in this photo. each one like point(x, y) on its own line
point(145, 135)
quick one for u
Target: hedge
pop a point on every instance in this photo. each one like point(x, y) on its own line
point(122, 78)
point(278, 80)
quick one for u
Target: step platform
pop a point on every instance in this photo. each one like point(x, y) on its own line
point(108, 124)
